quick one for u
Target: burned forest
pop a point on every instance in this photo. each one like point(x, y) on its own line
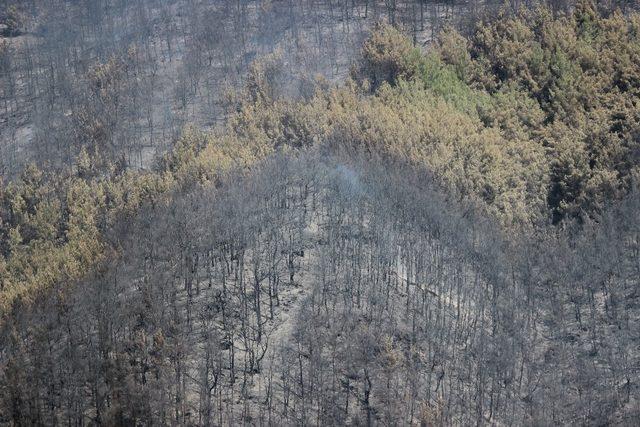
point(319, 212)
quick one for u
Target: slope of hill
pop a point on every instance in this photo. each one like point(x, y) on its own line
point(448, 237)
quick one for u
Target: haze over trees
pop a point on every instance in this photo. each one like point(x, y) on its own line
point(125, 77)
point(320, 212)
